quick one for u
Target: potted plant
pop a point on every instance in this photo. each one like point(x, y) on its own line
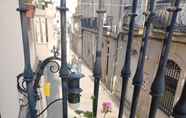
point(30, 8)
point(107, 108)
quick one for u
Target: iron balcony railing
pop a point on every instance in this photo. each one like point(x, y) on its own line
point(126, 72)
point(162, 16)
point(70, 81)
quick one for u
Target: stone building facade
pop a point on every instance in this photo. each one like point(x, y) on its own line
point(113, 55)
point(115, 11)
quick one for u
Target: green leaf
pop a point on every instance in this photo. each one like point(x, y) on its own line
point(79, 112)
point(88, 114)
point(93, 97)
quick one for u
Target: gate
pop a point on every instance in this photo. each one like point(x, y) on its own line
point(172, 76)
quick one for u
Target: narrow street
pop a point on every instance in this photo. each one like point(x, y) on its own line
point(86, 83)
point(93, 59)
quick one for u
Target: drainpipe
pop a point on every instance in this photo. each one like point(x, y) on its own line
point(28, 73)
point(97, 66)
point(126, 72)
point(158, 85)
point(64, 73)
point(138, 77)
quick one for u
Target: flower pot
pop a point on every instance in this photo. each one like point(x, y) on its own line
point(28, 1)
point(30, 10)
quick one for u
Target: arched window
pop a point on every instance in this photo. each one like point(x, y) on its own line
point(172, 76)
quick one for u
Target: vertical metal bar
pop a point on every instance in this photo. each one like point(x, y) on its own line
point(46, 30)
point(64, 70)
point(97, 65)
point(126, 68)
point(138, 77)
point(121, 10)
point(180, 108)
point(28, 73)
point(158, 85)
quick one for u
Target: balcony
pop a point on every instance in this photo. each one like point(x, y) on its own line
point(138, 72)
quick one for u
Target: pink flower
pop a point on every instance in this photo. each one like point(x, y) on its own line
point(107, 107)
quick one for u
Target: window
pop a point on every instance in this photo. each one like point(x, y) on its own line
point(41, 30)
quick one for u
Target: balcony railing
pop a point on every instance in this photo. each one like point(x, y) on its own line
point(70, 81)
point(162, 16)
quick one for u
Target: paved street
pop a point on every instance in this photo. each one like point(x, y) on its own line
point(86, 83)
point(55, 111)
point(87, 86)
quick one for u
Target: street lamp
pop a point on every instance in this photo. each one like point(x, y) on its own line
point(74, 88)
point(53, 62)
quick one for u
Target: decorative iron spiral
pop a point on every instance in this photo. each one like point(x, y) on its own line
point(54, 66)
point(20, 84)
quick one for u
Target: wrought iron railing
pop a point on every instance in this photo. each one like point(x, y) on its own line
point(71, 92)
point(97, 68)
point(28, 73)
point(138, 79)
point(70, 80)
point(172, 76)
point(161, 18)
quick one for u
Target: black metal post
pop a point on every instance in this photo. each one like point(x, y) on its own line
point(158, 85)
point(28, 73)
point(64, 73)
point(126, 68)
point(138, 77)
point(180, 107)
point(97, 66)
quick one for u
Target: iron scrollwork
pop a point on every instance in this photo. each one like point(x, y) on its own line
point(22, 87)
point(54, 67)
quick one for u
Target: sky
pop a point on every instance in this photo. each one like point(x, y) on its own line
point(71, 4)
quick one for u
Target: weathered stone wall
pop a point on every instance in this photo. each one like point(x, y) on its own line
point(113, 56)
